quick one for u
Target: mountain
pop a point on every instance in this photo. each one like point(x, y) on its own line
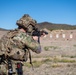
point(52, 26)
point(1, 29)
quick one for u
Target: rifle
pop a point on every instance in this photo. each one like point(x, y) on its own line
point(39, 33)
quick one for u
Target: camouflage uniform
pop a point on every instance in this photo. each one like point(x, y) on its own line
point(16, 45)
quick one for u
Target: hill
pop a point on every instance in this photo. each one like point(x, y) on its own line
point(52, 26)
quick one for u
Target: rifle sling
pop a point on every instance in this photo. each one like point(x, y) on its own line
point(30, 59)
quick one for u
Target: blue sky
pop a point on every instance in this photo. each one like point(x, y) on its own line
point(55, 11)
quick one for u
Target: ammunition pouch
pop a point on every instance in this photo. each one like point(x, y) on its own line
point(18, 54)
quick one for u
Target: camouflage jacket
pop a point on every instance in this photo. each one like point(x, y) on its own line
point(15, 44)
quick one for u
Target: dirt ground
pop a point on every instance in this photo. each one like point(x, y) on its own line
point(58, 57)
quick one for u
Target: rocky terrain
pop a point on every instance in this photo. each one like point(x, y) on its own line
point(58, 57)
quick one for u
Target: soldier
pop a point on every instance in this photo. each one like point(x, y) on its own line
point(17, 43)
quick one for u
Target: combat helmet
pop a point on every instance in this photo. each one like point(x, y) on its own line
point(26, 22)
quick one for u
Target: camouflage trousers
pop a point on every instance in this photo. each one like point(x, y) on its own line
point(4, 69)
